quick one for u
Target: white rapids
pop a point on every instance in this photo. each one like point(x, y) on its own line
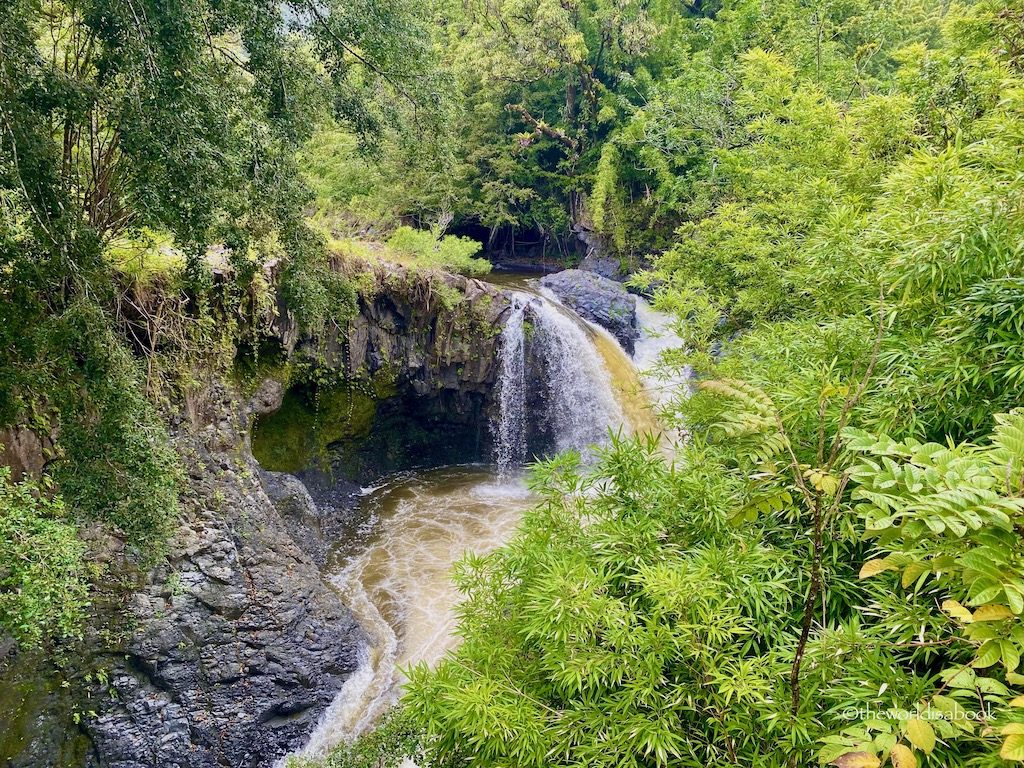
point(398, 584)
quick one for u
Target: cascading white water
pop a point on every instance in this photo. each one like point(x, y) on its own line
point(579, 403)
point(657, 336)
point(509, 428)
point(397, 583)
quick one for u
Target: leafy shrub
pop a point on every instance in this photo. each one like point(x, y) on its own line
point(946, 520)
point(394, 739)
point(449, 252)
point(43, 574)
point(117, 463)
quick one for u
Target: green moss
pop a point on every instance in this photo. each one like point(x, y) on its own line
point(311, 418)
point(256, 363)
point(35, 694)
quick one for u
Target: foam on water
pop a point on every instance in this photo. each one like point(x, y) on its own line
point(398, 583)
point(658, 335)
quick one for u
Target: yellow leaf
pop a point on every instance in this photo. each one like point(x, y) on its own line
point(875, 567)
point(857, 760)
point(1013, 748)
point(957, 611)
point(902, 757)
point(921, 735)
point(1017, 701)
point(828, 485)
point(992, 612)
point(912, 572)
point(1012, 728)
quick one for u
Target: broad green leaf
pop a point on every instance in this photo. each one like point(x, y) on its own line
point(1011, 656)
point(1014, 597)
point(992, 613)
point(989, 653)
point(912, 572)
point(960, 677)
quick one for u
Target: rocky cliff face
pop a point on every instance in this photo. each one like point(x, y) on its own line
point(419, 366)
point(236, 644)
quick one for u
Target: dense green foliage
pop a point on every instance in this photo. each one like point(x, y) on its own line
point(430, 248)
point(829, 571)
point(394, 738)
point(43, 576)
point(148, 172)
point(829, 195)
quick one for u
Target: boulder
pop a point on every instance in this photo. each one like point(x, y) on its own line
point(599, 300)
point(313, 522)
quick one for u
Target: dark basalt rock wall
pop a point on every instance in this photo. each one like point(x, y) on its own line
point(239, 645)
point(229, 651)
point(423, 347)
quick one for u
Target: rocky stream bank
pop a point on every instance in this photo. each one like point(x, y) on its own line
point(227, 653)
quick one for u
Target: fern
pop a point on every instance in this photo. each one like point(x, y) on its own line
point(750, 421)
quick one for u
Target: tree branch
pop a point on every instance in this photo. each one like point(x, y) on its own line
point(542, 128)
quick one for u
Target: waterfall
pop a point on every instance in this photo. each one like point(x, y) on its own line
point(542, 342)
point(561, 385)
point(509, 428)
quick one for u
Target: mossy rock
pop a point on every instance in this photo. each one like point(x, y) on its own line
point(38, 717)
point(253, 365)
point(296, 436)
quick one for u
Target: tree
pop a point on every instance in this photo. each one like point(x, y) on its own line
point(121, 121)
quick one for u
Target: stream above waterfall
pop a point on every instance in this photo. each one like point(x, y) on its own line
point(564, 384)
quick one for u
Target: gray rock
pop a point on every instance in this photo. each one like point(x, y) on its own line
point(599, 300)
point(268, 397)
point(235, 644)
point(238, 643)
point(598, 256)
point(313, 523)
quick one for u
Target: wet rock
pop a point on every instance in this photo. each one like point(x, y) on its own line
point(267, 398)
point(238, 644)
point(24, 451)
point(235, 644)
point(312, 522)
point(420, 362)
point(598, 257)
point(599, 300)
